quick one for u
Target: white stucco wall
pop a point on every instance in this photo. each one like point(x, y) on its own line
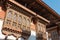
point(33, 35)
point(1, 35)
point(47, 35)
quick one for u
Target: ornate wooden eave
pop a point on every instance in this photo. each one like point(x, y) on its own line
point(40, 2)
point(48, 8)
point(28, 10)
point(45, 11)
point(42, 9)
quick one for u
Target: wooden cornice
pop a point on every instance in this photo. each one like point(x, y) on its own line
point(43, 9)
point(48, 8)
point(34, 2)
point(29, 11)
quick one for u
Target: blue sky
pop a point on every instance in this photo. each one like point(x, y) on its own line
point(54, 4)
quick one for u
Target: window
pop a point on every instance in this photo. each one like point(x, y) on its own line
point(44, 28)
point(41, 27)
point(15, 16)
point(38, 27)
point(28, 22)
point(54, 35)
point(20, 19)
point(23, 27)
point(9, 14)
point(14, 24)
point(19, 26)
point(24, 20)
point(8, 22)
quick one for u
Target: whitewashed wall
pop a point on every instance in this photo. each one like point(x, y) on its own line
point(1, 35)
point(33, 35)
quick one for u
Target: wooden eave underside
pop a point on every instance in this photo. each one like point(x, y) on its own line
point(42, 9)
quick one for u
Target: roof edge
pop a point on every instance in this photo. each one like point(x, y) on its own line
point(29, 10)
point(48, 8)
